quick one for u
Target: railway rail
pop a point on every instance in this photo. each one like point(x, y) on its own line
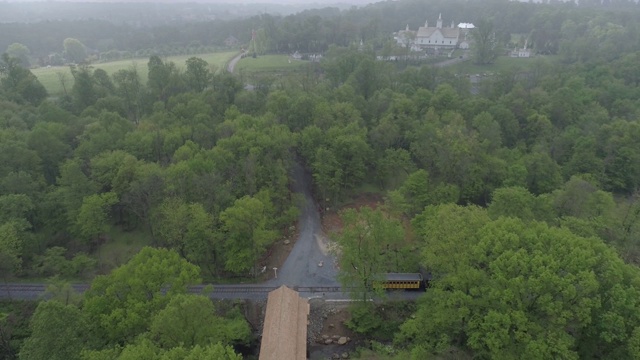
point(35, 291)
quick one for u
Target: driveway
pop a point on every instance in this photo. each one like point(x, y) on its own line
point(310, 262)
point(232, 64)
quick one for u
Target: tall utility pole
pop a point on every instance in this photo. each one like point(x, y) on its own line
point(253, 46)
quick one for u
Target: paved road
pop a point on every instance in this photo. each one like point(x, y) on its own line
point(302, 267)
point(233, 62)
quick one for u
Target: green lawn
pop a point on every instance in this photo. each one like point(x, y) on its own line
point(50, 79)
point(268, 63)
point(502, 63)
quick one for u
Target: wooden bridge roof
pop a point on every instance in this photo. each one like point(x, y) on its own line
point(284, 335)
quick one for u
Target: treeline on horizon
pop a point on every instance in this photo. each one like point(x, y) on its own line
point(312, 31)
point(519, 193)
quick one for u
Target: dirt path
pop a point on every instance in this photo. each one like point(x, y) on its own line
point(233, 62)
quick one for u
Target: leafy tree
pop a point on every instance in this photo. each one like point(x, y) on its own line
point(622, 170)
point(103, 84)
point(12, 242)
point(108, 170)
point(543, 173)
point(47, 140)
point(581, 198)
point(16, 157)
point(83, 90)
point(145, 349)
point(226, 87)
point(15, 207)
point(342, 165)
point(54, 262)
point(142, 185)
point(93, 216)
point(197, 75)
point(62, 292)
point(14, 327)
point(74, 185)
point(367, 242)
point(328, 175)
point(19, 83)
point(52, 322)
point(394, 166)
point(102, 135)
point(129, 87)
point(416, 192)
point(190, 320)
point(164, 78)
point(188, 228)
point(216, 351)
point(512, 202)
point(121, 305)
point(247, 233)
point(485, 44)
point(19, 51)
point(489, 131)
point(445, 98)
point(340, 63)
point(74, 50)
point(367, 77)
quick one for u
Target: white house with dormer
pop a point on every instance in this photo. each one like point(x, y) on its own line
point(438, 38)
point(521, 53)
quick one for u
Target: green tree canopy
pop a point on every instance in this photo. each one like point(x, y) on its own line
point(187, 228)
point(121, 305)
point(485, 45)
point(368, 243)
point(198, 75)
point(93, 216)
point(509, 289)
point(145, 349)
point(74, 50)
point(19, 83)
point(19, 51)
point(58, 332)
point(247, 233)
point(190, 320)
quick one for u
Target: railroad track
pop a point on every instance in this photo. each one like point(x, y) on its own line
point(240, 290)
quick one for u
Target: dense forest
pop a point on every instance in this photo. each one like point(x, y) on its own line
point(519, 193)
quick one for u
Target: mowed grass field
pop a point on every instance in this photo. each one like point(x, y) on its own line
point(268, 63)
point(50, 78)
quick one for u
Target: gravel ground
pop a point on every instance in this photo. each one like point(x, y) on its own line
point(320, 311)
point(309, 263)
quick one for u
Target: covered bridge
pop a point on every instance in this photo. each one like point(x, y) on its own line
point(284, 335)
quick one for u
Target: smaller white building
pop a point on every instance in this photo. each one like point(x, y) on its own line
point(521, 53)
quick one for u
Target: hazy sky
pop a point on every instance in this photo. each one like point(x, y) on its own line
point(322, 2)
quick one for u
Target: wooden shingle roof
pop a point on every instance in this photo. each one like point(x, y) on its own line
point(284, 335)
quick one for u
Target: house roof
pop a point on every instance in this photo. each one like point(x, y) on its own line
point(284, 335)
point(446, 32)
point(403, 277)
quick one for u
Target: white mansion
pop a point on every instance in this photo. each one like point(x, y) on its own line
point(435, 38)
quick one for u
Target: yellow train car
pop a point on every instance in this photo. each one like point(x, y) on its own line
point(412, 281)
